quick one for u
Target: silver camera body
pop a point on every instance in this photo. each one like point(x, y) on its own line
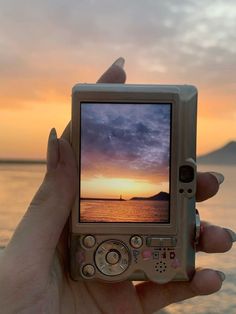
point(134, 217)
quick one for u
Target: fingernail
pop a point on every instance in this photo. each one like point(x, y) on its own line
point(52, 135)
point(219, 177)
point(120, 62)
point(52, 151)
point(221, 275)
point(231, 233)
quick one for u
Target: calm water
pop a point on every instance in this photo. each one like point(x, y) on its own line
point(123, 211)
point(18, 184)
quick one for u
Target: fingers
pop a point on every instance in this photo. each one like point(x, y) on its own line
point(114, 74)
point(215, 239)
point(208, 185)
point(52, 151)
point(154, 296)
point(37, 234)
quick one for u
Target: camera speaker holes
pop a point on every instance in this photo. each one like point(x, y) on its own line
point(181, 191)
point(160, 267)
point(190, 190)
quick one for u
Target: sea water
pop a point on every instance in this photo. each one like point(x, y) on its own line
point(18, 183)
point(124, 211)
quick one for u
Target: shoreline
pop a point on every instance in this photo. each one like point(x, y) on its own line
point(100, 199)
point(21, 162)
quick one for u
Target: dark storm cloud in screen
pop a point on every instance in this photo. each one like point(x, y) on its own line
point(124, 141)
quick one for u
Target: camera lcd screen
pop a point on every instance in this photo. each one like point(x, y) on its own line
point(125, 162)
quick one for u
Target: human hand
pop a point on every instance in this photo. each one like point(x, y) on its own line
point(34, 266)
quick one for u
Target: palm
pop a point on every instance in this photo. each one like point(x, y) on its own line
point(64, 295)
point(89, 296)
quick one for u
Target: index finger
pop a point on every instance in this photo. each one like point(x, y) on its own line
point(207, 185)
point(114, 74)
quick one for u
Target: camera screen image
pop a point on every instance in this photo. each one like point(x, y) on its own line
point(125, 162)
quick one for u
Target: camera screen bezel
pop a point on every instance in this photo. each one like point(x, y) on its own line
point(124, 94)
point(169, 160)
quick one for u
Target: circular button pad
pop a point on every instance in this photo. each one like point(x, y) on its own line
point(112, 258)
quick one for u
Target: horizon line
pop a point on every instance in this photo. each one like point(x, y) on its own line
point(43, 161)
point(22, 161)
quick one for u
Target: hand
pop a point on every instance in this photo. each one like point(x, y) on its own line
point(34, 266)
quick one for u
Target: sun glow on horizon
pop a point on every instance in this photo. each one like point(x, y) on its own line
point(114, 187)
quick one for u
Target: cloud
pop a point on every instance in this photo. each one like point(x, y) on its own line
point(124, 141)
point(50, 45)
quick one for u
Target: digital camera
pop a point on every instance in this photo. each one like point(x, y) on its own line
point(134, 217)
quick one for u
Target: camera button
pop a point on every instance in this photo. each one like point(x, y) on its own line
point(161, 242)
point(136, 242)
point(113, 257)
point(168, 241)
point(89, 241)
point(152, 241)
point(147, 254)
point(88, 270)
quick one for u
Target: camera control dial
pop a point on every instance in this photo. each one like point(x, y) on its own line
point(112, 257)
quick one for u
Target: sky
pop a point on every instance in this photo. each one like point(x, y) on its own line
point(48, 46)
point(124, 144)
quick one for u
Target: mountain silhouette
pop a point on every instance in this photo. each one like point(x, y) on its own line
point(223, 155)
point(162, 196)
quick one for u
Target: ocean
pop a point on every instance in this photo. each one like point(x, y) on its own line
point(18, 184)
point(124, 211)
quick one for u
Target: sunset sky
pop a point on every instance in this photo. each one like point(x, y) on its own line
point(124, 148)
point(48, 46)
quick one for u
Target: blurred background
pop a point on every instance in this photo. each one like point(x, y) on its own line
point(48, 46)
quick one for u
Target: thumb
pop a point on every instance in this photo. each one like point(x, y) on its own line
point(36, 236)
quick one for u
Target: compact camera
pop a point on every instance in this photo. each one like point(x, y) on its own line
point(134, 217)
